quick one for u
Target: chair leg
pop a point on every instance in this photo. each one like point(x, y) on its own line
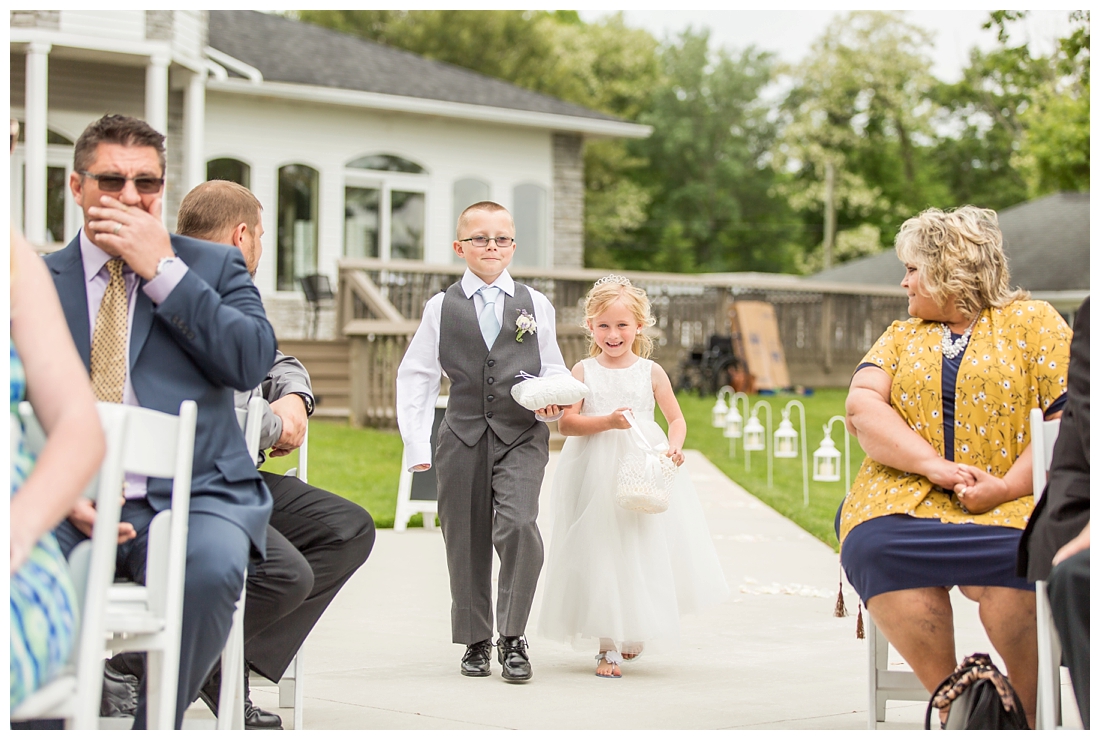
point(299, 691)
point(160, 692)
point(1048, 704)
point(231, 697)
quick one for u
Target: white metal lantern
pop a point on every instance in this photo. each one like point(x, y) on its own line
point(733, 423)
point(718, 413)
point(785, 439)
point(754, 435)
point(827, 461)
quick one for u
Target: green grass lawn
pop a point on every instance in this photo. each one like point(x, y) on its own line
point(785, 494)
point(364, 465)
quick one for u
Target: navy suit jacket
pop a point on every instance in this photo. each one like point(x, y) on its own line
point(209, 337)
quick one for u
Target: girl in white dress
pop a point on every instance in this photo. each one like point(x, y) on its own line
point(615, 575)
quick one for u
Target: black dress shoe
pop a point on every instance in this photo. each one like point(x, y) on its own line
point(120, 694)
point(476, 660)
point(254, 717)
point(512, 654)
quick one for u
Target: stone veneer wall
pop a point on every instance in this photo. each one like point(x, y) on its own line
point(568, 151)
point(50, 19)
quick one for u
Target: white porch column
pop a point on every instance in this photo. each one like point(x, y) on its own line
point(194, 130)
point(156, 92)
point(37, 95)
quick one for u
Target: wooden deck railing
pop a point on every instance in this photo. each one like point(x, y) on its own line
point(825, 328)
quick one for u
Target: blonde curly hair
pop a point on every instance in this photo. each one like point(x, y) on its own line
point(960, 257)
point(606, 291)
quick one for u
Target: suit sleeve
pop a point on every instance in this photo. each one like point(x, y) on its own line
point(223, 327)
point(287, 376)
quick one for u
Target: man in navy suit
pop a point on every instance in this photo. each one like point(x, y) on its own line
point(185, 321)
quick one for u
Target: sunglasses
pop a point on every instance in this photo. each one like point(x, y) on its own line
point(115, 183)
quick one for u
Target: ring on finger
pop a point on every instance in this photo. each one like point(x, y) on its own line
point(118, 228)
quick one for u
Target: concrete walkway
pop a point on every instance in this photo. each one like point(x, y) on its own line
point(771, 657)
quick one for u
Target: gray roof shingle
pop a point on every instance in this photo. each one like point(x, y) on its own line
point(286, 50)
point(1046, 241)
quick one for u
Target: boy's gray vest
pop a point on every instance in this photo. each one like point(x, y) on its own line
point(482, 379)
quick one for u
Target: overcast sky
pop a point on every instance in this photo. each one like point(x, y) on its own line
point(790, 33)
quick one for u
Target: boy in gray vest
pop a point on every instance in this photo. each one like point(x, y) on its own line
point(491, 453)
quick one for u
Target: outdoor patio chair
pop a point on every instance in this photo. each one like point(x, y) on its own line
point(318, 291)
point(1048, 701)
point(74, 695)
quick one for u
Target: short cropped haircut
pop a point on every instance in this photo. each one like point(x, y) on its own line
point(487, 206)
point(959, 256)
point(618, 288)
point(213, 208)
point(116, 129)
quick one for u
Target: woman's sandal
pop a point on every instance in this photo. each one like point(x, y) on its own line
point(613, 659)
point(633, 649)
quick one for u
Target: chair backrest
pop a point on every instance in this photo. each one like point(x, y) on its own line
point(92, 563)
point(1043, 435)
point(251, 423)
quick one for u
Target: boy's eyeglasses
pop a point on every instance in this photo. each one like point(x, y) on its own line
point(115, 183)
point(483, 241)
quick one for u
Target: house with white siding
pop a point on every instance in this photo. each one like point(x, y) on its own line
point(354, 148)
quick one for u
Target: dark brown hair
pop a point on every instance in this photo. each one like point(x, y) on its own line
point(116, 129)
point(214, 207)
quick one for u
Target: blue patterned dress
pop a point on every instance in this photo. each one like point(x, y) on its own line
point(43, 603)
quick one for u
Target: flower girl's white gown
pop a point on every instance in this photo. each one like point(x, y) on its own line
point(612, 572)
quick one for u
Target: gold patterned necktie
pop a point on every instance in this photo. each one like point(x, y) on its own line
point(109, 338)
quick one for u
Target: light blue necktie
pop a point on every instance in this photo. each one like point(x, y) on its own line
point(490, 327)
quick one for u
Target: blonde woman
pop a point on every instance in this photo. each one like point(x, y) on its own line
point(940, 404)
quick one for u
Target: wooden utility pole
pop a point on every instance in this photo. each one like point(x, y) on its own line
point(830, 212)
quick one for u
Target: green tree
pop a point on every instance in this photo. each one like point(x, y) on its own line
point(857, 128)
point(1022, 118)
point(711, 205)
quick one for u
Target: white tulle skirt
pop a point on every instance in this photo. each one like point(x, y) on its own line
point(617, 573)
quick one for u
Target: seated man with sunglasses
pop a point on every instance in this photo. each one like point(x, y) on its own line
point(159, 319)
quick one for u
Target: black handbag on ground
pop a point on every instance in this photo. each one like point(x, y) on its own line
point(977, 697)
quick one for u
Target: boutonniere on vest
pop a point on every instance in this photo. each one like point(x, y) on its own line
point(525, 324)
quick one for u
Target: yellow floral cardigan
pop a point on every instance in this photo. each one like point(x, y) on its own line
point(1016, 360)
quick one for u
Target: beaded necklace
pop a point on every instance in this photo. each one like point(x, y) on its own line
point(953, 348)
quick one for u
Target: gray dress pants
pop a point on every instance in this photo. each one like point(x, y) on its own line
point(489, 498)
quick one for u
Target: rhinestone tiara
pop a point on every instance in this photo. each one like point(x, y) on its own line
point(616, 279)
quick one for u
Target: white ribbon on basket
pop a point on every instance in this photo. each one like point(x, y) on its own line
point(644, 485)
point(653, 452)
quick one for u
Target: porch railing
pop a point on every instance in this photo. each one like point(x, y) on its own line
point(825, 328)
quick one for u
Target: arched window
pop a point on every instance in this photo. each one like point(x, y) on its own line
point(529, 211)
point(385, 207)
point(386, 163)
point(466, 193)
point(226, 168)
point(297, 240)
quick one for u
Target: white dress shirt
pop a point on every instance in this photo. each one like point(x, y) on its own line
point(418, 377)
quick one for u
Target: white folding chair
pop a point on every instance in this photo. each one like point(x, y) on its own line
point(231, 693)
point(292, 684)
point(74, 695)
point(883, 684)
point(1048, 700)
